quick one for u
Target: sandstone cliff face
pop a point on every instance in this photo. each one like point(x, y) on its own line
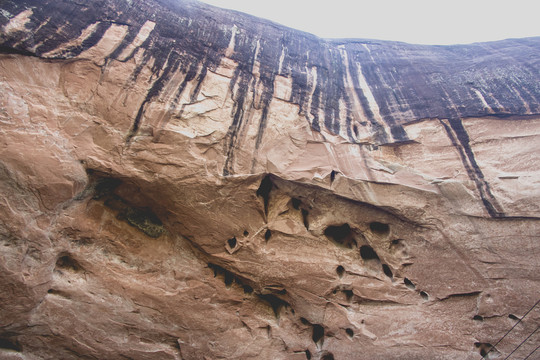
point(184, 182)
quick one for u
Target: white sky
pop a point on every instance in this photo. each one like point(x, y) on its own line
point(413, 21)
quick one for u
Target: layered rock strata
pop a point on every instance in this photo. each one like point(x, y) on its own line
point(185, 182)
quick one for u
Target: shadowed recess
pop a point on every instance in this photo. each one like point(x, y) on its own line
point(367, 253)
point(264, 191)
point(341, 234)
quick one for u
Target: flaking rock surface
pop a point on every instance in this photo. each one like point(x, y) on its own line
point(183, 182)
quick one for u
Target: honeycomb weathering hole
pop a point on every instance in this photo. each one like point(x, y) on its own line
point(340, 270)
point(264, 191)
point(387, 271)
point(327, 356)
point(296, 203)
point(379, 228)
point(341, 234)
point(66, 262)
point(267, 235)
point(367, 253)
point(232, 243)
point(10, 344)
point(318, 334)
point(408, 283)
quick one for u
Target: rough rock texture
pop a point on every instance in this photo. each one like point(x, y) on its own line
point(184, 182)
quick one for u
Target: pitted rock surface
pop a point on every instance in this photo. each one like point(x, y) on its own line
point(184, 182)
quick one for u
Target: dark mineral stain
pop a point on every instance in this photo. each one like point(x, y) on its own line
point(460, 139)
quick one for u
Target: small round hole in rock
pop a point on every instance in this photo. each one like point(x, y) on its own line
point(327, 356)
point(513, 317)
point(379, 228)
point(308, 354)
point(350, 332)
point(367, 253)
point(409, 284)
point(296, 203)
point(267, 235)
point(246, 233)
point(424, 295)
point(478, 318)
point(232, 242)
point(248, 289)
point(340, 270)
point(387, 271)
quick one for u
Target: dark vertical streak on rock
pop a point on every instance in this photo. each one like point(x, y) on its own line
point(171, 67)
point(460, 139)
point(239, 98)
point(378, 130)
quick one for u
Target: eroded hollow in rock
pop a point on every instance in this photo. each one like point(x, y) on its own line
point(267, 235)
point(387, 271)
point(67, 262)
point(350, 332)
point(478, 318)
point(327, 356)
point(305, 214)
point(424, 295)
point(10, 344)
point(232, 243)
point(379, 228)
point(275, 302)
point(340, 270)
point(367, 253)
point(317, 334)
point(341, 234)
point(264, 191)
point(106, 189)
point(348, 294)
point(408, 283)
point(487, 350)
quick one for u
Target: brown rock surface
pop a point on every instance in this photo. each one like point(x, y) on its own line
point(183, 182)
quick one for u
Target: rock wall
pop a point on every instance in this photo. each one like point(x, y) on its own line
point(185, 182)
